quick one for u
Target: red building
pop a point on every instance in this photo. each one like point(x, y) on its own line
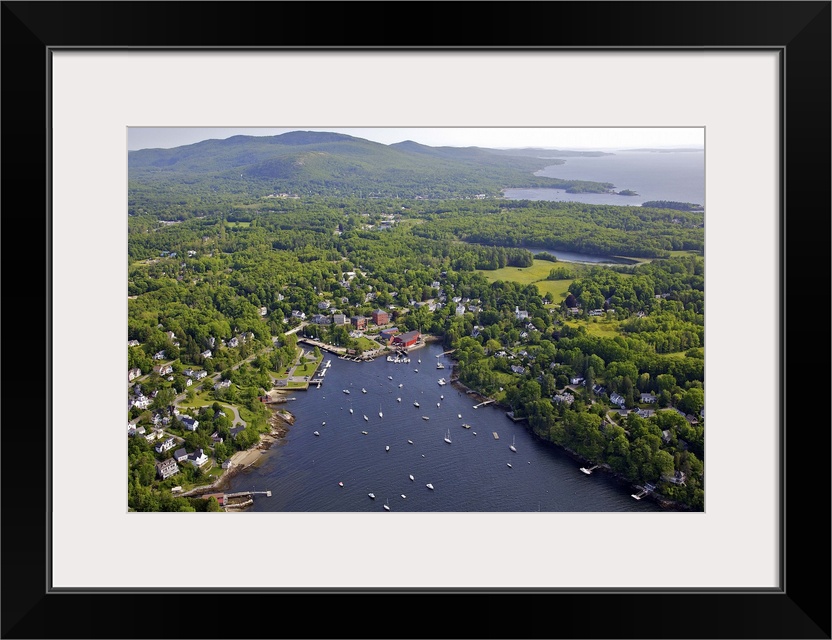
point(359, 322)
point(406, 339)
point(380, 317)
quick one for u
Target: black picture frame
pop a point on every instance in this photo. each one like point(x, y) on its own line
point(799, 31)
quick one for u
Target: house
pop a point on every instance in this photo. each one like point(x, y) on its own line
point(666, 436)
point(518, 369)
point(159, 355)
point(180, 455)
point(617, 399)
point(263, 311)
point(234, 342)
point(648, 398)
point(321, 319)
point(227, 464)
point(520, 314)
point(188, 382)
point(190, 423)
point(132, 343)
point(387, 334)
point(677, 478)
point(566, 398)
point(380, 317)
point(460, 309)
point(300, 315)
point(188, 372)
point(576, 380)
point(339, 319)
point(141, 402)
point(596, 312)
point(134, 373)
point(198, 458)
point(359, 322)
point(199, 375)
point(222, 384)
point(324, 304)
point(212, 342)
point(206, 353)
point(406, 340)
point(235, 430)
point(163, 369)
point(598, 389)
point(167, 468)
point(216, 438)
point(645, 413)
point(164, 446)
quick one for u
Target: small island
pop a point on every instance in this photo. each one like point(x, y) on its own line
point(627, 192)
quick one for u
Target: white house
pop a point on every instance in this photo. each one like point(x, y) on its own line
point(199, 375)
point(159, 355)
point(132, 343)
point(180, 455)
point(648, 398)
point(190, 423)
point(206, 353)
point(134, 373)
point(617, 399)
point(164, 446)
point(198, 458)
point(167, 468)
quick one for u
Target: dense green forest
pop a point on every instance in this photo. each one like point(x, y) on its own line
point(209, 262)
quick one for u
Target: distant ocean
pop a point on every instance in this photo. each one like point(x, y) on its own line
point(677, 175)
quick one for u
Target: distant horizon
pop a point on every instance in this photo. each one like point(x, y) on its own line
point(545, 138)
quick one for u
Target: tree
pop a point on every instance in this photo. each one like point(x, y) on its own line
point(213, 505)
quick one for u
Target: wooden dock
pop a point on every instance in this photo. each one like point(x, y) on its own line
point(482, 404)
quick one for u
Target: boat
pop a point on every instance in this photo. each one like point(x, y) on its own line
point(425, 418)
point(400, 385)
point(363, 390)
point(380, 414)
point(441, 397)
point(350, 409)
point(474, 432)
point(437, 404)
point(404, 496)
point(386, 506)
point(439, 365)
point(364, 432)
point(441, 382)
point(410, 442)
point(415, 404)
point(316, 433)
point(419, 361)
point(415, 371)
point(365, 417)
point(398, 399)
point(340, 484)
point(429, 486)
point(448, 437)
point(508, 464)
point(323, 424)
point(411, 477)
point(347, 391)
point(372, 496)
point(459, 415)
point(389, 377)
point(465, 425)
point(511, 446)
point(387, 447)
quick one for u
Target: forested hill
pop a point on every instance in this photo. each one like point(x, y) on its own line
point(310, 163)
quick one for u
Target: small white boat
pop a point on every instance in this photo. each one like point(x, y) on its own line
point(441, 397)
point(400, 385)
point(441, 382)
point(415, 404)
point(429, 486)
point(448, 437)
point(415, 371)
point(437, 404)
point(340, 484)
point(404, 496)
point(386, 506)
point(387, 447)
point(347, 391)
point(350, 409)
point(380, 414)
point(398, 399)
point(439, 365)
point(474, 432)
point(466, 426)
point(508, 464)
point(372, 496)
point(410, 442)
point(389, 377)
point(363, 390)
point(365, 417)
point(364, 432)
point(316, 433)
point(459, 415)
point(511, 446)
point(419, 361)
point(425, 418)
point(411, 477)
point(323, 424)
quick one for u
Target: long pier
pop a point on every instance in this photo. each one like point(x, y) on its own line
point(240, 494)
point(482, 404)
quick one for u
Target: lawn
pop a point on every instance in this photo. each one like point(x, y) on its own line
point(601, 329)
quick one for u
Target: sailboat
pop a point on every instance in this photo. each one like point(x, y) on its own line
point(387, 506)
point(508, 464)
point(512, 444)
point(350, 409)
point(365, 417)
point(380, 414)
point(429, 486)
point(448, 437)
point(411, 477)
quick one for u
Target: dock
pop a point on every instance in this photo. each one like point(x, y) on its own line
point(590, 470)
point(645, 490)
point(482, 404)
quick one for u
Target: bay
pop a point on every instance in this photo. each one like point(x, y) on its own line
point(674, 175)
point(303, 471)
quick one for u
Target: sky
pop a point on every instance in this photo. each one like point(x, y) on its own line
point(491, 137)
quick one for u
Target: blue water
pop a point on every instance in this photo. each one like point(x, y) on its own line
point(676, 176)
point(469, 475)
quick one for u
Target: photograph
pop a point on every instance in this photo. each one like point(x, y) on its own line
point(480, 238)
point(314, 315)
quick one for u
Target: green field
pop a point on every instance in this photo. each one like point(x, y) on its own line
point(536, 274)
point(601, 329)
